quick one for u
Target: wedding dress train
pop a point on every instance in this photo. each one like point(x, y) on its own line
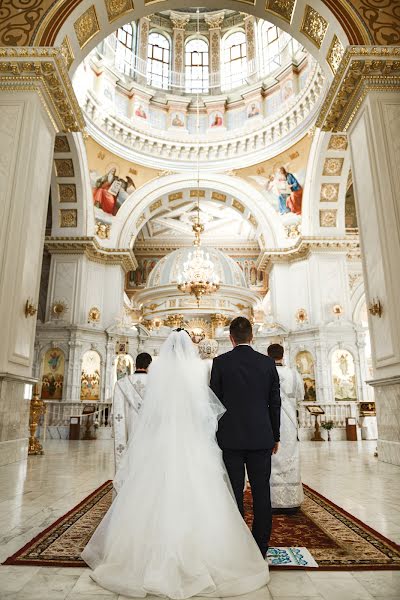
point(174, 528)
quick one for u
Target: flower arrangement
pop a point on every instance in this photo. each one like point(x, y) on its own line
point(328, 425)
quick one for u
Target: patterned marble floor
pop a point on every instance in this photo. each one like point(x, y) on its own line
point(35, 493)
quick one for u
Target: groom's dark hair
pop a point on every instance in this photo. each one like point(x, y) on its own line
point(241, 330)
point(143, 360)
point(275, 351)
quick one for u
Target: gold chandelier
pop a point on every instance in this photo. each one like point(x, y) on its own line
point(198, 276)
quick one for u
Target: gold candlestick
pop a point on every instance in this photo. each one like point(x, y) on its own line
point(37, 409)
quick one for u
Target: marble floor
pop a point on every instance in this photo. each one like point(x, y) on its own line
point(35, 493)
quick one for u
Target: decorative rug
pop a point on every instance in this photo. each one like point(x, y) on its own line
point(324, 532)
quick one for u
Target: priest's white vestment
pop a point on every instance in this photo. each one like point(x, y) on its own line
point(128, 398)
point(286, 487)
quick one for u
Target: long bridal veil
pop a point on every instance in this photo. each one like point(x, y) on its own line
point(174, 528)
point(178, 404)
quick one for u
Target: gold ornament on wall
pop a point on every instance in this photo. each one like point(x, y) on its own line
point(94, 315)
point(67, 192)
point(301, 316)
point(282, 8)
point(116, 8)
point(86, 26)
point(329, 192)
point(314, 26)
point(328, 218)
point(338, 142)
point(64, 167)
point(375, 308)
point(58, 308)
point(61, 144)
point(68, 218)
point(335, 54)
point(333, 166)
point(30, 309)
point(66, 51)
point(103, 230)
point(337, 310)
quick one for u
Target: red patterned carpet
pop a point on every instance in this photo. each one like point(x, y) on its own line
point(336, 539)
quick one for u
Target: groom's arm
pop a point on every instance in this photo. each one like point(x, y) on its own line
point(275, 404)
point(216, 380)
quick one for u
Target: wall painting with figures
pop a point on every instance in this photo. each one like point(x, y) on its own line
point(53, 374)
point(306, 368)
point(124, 365)
point(113, 179)
point(343, 375)
point(281, 181)
point(90, 376)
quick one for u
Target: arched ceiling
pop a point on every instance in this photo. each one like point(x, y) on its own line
point(40, 23)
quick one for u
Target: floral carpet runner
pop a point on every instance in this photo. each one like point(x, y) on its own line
point(320, 534)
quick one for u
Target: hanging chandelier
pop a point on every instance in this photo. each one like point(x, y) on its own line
point(198, 276)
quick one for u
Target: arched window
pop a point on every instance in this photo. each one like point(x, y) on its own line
point(196, 66)
point(234, 63)
point(158, 59)
point(124, 51)
point(270, 47)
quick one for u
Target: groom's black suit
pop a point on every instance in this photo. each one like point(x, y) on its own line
point(247, 383)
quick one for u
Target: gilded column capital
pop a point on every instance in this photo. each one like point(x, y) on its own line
point(178, 20)
point(44, 71)
point(361, 70)
point(214, 20)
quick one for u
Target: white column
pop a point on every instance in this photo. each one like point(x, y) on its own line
point(374, 141)
point(29, 121)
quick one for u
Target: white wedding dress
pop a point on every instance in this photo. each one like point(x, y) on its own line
point(174, 528)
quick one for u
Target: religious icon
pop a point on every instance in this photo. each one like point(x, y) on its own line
point(124, 366)
point(110, 191)
point(178, 120)
point(305, 366)
point(53, 374)
point(140, 112)
point(216, 119)
point(254, 110)
point(287, 89)
point(343, 375)
point(90, 376)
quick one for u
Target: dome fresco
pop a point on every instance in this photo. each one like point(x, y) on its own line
point(167, 269)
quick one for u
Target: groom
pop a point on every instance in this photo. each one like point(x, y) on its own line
point(247, 383)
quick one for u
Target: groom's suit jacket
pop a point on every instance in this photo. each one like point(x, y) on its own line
point(247, 384)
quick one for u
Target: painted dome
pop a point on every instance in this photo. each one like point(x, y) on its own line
point(168, 268)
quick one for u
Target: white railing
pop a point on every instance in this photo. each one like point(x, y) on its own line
point(337, 412)
point(294, 116)
point(58, 414)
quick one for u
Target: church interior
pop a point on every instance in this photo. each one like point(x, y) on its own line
point(165, 165)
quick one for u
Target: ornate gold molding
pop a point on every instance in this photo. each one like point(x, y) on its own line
point(314, 26)
point(86, 26)
point(305, 246)
point(281, 8)
point(44, 71)
point(362, 69)
point(117, 8)
point(90, 247)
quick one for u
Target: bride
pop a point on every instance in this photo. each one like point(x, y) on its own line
point(174, 528)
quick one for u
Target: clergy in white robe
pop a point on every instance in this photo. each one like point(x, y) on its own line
point(286, 488)
point(128, 398)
